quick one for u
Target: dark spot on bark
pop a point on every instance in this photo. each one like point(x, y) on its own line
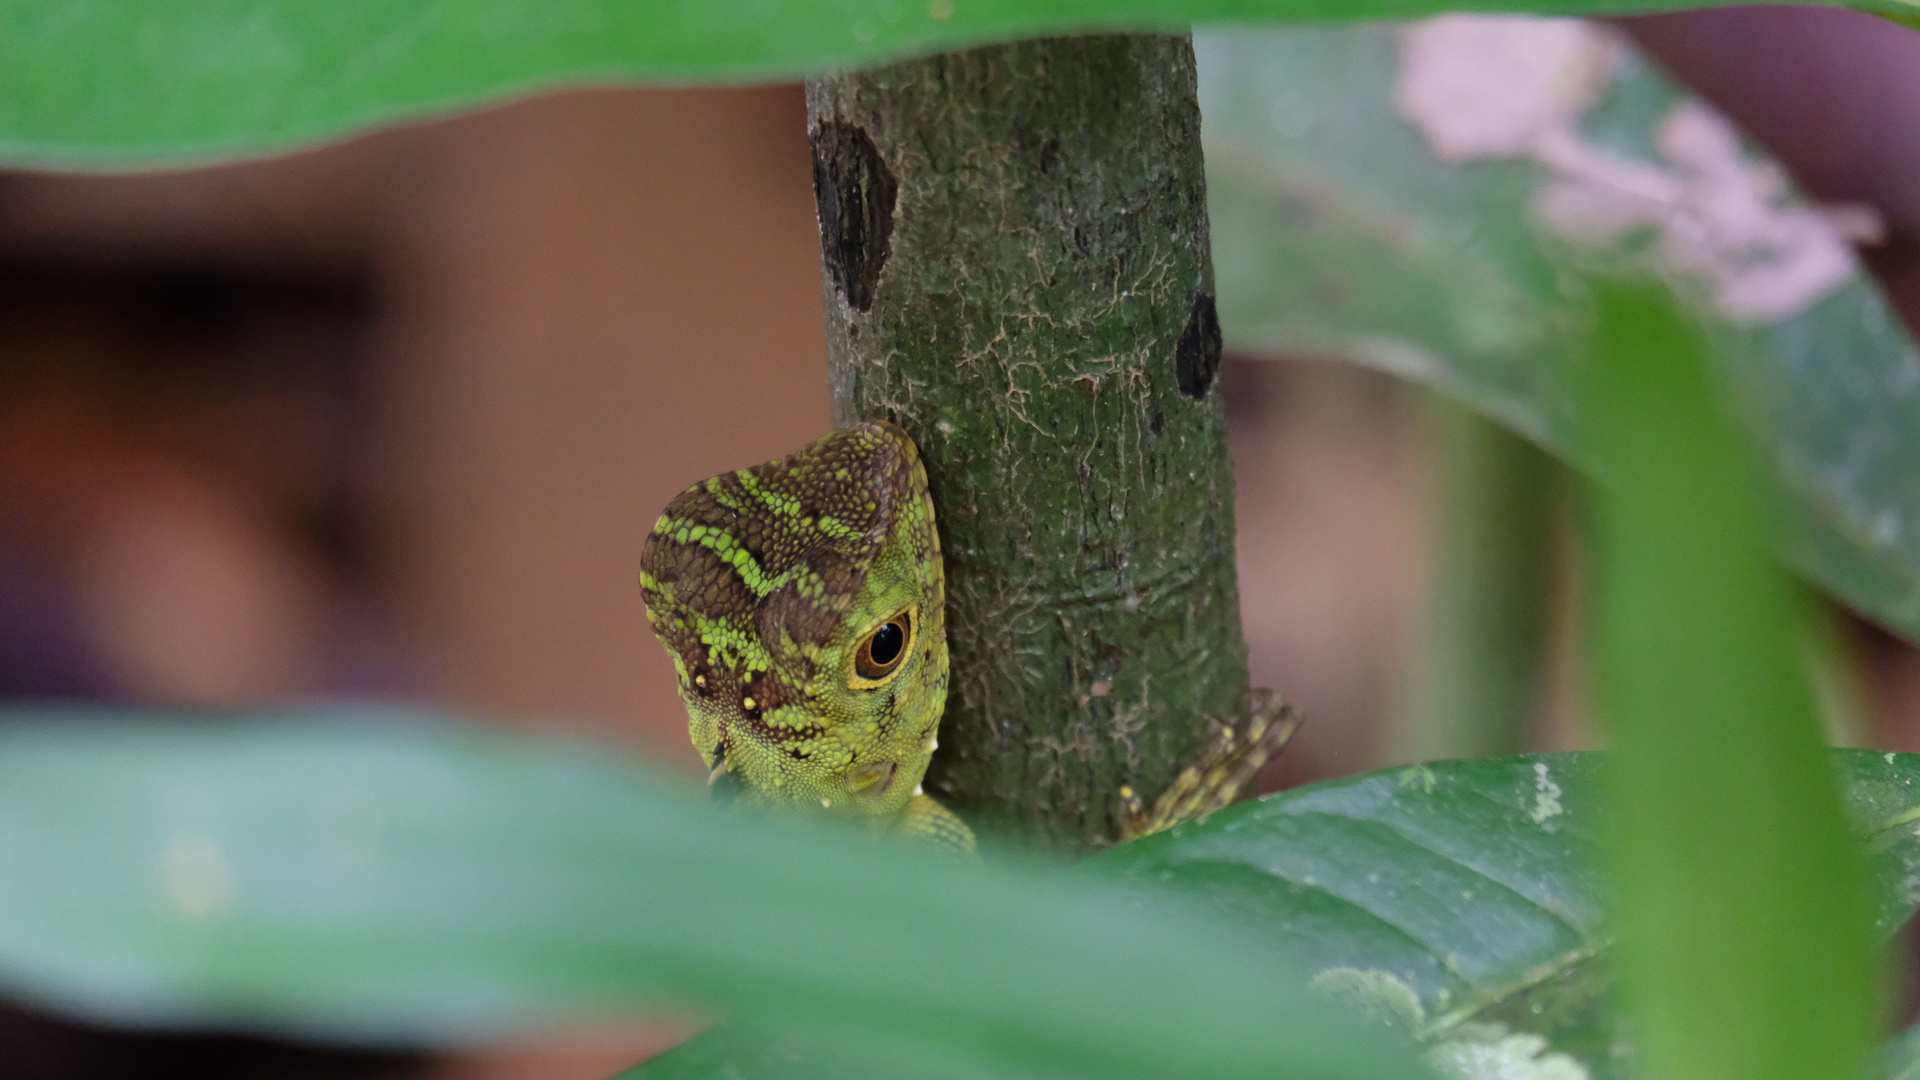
point(1158, 425)
point(854, 191)
point(1049, 154)
point(1196, 360)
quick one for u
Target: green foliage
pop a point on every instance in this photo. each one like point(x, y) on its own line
point(1742, 922)
point(1461, 901)
point(374, 877)
point(1478, 665)
point(368, 875)
point(115, 83)
point(1338, 233)
point(371, 878)
point(1745, 954)
point(1901, 1059)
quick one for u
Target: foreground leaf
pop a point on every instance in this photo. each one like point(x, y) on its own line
point(110, 83)
point(745, 1051)
point(1743, 923)
point(387, 879)
point(1900, 1058)
point(1449, 897)
point(1337, 232)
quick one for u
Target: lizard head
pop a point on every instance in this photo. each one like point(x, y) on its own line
point(803, 604)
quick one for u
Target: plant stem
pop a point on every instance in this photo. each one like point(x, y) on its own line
point(1478, 662)
point(1017, 272)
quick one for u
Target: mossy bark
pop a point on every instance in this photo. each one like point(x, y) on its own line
point(1017, 272)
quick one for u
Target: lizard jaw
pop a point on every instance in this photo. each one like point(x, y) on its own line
point(872, 779)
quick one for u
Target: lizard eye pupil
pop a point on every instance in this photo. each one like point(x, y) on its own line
point(883, 650)
point(887, 642)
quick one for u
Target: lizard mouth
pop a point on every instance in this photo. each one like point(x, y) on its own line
point(872, 779)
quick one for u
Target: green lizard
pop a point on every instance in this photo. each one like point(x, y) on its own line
point(804, 605)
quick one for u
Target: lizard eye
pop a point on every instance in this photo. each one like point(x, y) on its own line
point(882, 651)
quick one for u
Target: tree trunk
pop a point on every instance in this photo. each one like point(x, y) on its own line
point(1017, 272)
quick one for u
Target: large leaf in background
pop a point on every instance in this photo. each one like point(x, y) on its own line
point(1337, 232)
point(1471, 888)
point(1450, 897)
point(100, 83)
point(386, 879)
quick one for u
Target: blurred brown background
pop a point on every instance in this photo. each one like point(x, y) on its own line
point(392, 418)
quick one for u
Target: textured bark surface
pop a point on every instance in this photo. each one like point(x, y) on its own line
point(1017, 272)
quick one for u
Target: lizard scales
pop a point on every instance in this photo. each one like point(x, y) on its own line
point(803, 603)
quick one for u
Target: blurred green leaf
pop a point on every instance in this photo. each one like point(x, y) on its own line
point(373, 877)
point(1743, 926)
point(1338, 233)
point(1474, 669)
point(1470, 891)
point(1900, 1058)
point(741, 1051)
point(103, 83)
point(388, 879)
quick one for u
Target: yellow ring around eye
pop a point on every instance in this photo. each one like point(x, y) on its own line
point(880, 655)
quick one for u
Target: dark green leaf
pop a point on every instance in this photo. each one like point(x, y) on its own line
point(102, 83)
point(394, 880)
point(1472, 888)
point(1338, 233)
point(1475, 884)
point(1467, 881)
